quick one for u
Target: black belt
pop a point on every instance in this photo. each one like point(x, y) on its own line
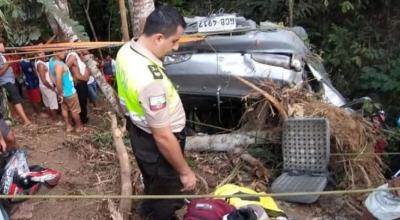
point(179, 135)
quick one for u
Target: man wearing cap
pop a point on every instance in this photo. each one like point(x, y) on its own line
point(156, 118)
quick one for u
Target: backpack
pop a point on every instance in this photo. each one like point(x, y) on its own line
point(266, 202)
point(207, 209)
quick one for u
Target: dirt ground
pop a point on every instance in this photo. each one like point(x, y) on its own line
point(91, 170)
point(46, 146)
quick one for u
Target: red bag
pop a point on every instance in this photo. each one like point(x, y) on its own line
point(207, 209)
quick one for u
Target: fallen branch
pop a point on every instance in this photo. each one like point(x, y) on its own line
point(353, 207)
point(125, 167)
point(52, 150)
point(114, 214)
point(231, 176)
point(202, 180)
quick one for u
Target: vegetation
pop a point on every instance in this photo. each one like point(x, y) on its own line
point(25, 21)
point(357, 39)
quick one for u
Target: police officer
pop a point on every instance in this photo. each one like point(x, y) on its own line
point(156, 115)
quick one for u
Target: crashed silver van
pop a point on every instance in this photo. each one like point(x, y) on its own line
point(202, 71)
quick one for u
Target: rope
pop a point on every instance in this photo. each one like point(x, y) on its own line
point(72, 45)
point(140, 197)
point(75, 45)
point(227, 129)
point(46, 50)
point(366, 153)
point(49, 55)
point(210, 126)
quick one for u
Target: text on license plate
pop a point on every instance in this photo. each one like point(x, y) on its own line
point(221, 23)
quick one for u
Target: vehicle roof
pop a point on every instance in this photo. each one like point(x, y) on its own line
point(274, 41)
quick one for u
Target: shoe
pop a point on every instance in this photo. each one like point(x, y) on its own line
point(44, 175)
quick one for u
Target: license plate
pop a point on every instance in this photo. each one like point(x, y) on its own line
point(215, 24)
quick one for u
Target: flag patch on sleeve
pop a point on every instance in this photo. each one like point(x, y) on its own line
point(157, 102)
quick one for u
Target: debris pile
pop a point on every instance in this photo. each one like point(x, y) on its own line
point(353, 163)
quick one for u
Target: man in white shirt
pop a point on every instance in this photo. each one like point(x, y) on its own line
point(46, 86)
point(81, 76)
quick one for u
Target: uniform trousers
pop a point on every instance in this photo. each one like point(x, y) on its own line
point(159, 177)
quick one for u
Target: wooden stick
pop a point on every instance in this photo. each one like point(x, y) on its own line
point(125, 167)
point(114, 214)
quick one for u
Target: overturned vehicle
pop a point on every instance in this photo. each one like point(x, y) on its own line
point(202, 71)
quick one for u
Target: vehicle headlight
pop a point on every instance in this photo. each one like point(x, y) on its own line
point(296, 64)
point(176, 58)
point(272, 59)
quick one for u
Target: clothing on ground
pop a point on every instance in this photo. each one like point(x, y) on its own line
point(383, 204)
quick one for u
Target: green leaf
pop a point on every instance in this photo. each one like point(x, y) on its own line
point(3, 18)
point(347, 6)
point(34, 34)
point(14, 13)
point(4, 3)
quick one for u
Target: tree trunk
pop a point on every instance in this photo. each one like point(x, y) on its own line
point(225, 142)
point(59, 27)
point(124, 22)
point(105, 88)
point(131, 16)
point(141, 9)
point(53, 25)
point(86, 10)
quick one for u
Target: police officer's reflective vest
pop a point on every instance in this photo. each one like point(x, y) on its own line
point(134, 72)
